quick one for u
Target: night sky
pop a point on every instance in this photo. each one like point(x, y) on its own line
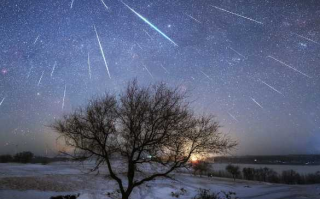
point(255, 64)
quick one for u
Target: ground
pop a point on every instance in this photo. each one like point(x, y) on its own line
point(35, 181)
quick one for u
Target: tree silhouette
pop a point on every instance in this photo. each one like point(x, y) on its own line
point(142, 134)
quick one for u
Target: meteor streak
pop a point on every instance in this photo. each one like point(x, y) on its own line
point(139, 46)
point(36, 40)
point(237, 14)
point(64, 96)
point(206, 75)
point(71, 4)
point(306, 38)
point(193, 18)
point(29, 72)
point(233, 117)
point(102, 53)
point(147, 33)
point(148, 71)
point(256, 103)
point(2, 100)
point(150, 24)
point(104, 5)
point(237, 52)
point(164, 68)
point(53, 68)
point(281, 62)
point(89, 66)
point(40, 78)
point(270, 87)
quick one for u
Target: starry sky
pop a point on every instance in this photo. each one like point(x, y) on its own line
point(253, 64)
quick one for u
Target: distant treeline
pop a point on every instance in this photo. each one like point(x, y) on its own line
point(271, 159)
point(266, 174)
point(29, 157)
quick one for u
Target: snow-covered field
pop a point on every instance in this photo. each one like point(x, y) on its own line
point(33, 181)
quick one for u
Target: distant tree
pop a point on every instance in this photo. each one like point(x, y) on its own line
point(144, 127)
point(313, 178)
point(201, 167)
point(233, 170)
point(23, 157)
point(263, 174)
point(6, 158)
point(248, 173)
point(290, 177)
point(272, 176)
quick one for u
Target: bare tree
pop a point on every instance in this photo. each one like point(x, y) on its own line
point(201, 167)
point(233, 170)
point(140, 128)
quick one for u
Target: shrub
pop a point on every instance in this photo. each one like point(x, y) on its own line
point(178, 193)
point(206, 194)
point(201, 168)
point(290, 177)
point(6, 158)
point(220, 174)
point(273, 177)
point(66, 197)
point(23, 157)
point(233, 170)
point(313, 178)
point(248, 173)
point(265, 174)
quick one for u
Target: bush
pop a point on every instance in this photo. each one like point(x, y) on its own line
point(290, 177)
point(179, 193)
point(313, 178)
point(6, 158)
point(233, 170)
point(273, 177)
point(23, 157)
point(263, 174)
point(248, 173)
point(66, 197)
point(206, 194)
point(220, 174)
point(201, 168)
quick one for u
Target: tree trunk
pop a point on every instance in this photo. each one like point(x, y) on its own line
point(125, 196)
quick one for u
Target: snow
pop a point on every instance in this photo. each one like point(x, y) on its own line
point(34, 181)
point(30, 194)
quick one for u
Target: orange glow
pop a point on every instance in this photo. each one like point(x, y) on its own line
point(194, 159)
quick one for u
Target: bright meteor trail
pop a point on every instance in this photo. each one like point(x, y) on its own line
point(270, 87)
point(2, 101)
point(53, 68)
point(306, 38)
point(237, 14)
point(233, 117)
point(104, 5)
point(193, 18)
point(281, 62)
point(36, 40)
point(102, 53)
point(256, 102)
point(150, 24)
point(40, 78)
point(64, 96)
point(71, 4)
